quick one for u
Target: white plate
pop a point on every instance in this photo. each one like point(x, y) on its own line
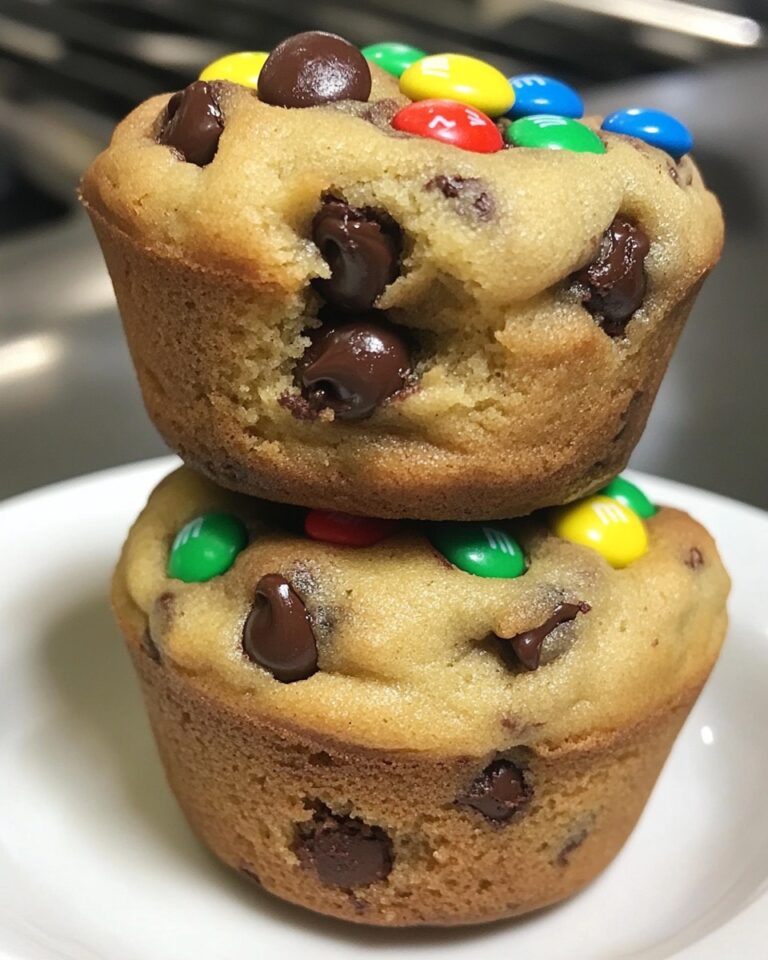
point(96, 861)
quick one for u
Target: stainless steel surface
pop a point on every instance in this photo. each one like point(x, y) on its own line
point(69, 403)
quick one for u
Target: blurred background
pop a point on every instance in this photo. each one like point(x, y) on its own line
point(70, 68)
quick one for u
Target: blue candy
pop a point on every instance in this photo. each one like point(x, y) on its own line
point(537, 94)
point(660, 129)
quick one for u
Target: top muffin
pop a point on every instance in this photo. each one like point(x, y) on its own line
point(342, 292)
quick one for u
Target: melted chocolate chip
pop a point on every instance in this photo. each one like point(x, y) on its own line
point(526, 647)
point(193, 123)
point(353, 367)
point(613, 286)
point(362, 250)
point(344, 851)
point(312, 68)
point(278, 634)
point(472, 200)
point(695, 558)
point(498, 793)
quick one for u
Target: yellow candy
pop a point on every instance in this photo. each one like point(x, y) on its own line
point(453, 76)
point(616, 532)
point(243, 68)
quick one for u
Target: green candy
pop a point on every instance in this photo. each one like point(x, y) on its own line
point(206, 547)
point(395, 58)
point(476, 548)
point(629, 496)
point(547, 132)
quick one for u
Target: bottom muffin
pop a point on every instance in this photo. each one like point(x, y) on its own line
point(415, 724)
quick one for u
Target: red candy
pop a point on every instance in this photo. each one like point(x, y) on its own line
point(346, 529)
point(452, 122)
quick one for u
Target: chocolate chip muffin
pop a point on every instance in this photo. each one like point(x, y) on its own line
point(339, 298)
point(416, 723)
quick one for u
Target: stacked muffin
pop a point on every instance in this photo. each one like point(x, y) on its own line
point(411, 650)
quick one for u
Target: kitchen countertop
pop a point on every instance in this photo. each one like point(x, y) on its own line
point(69, 404)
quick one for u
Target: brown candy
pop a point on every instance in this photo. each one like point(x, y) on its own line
point(353, 367)
point(498, 793)
point(312, 68)
point(526, 647)
point(344, 851)
point(613, 286)
point(472, 199)
point(362, 251)
point(278, 634)
point(193, 123)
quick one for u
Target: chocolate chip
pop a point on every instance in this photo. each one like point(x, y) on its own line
point(526, 647)
point(278, 634)
point(613, 286)
point(353, 367)
point(193, 123)
point(362, 250)
point(695, 558)
point(344, 851)
point(498, 793)
point(313, 68)
point(472, 199)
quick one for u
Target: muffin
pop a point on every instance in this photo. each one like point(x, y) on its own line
point(407, 723)
point(328, 307)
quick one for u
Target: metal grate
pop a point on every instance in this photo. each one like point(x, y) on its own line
point(109, 55)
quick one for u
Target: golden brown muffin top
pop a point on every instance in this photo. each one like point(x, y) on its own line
point(413, 654)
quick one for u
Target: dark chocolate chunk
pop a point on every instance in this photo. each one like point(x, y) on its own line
point(311, 68)
point(344, 851)
point(472, 199)
point(498, 793)
point(193, 123)
point(695, 558)
point(362, 250)
point(526, 646)
point(613, 286)
point(278, 634)
point(353, 367)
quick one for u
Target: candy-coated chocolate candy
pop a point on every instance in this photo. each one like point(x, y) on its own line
point(243, 68)
point(615, 531)
point(206, 547)
point(453, 76)
point(536, 94)
point(547, 132)
point(480, 549)
point(451, 122)
point(395, 58)
point(346, 529)
point(630, 496)
point(657, 128)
